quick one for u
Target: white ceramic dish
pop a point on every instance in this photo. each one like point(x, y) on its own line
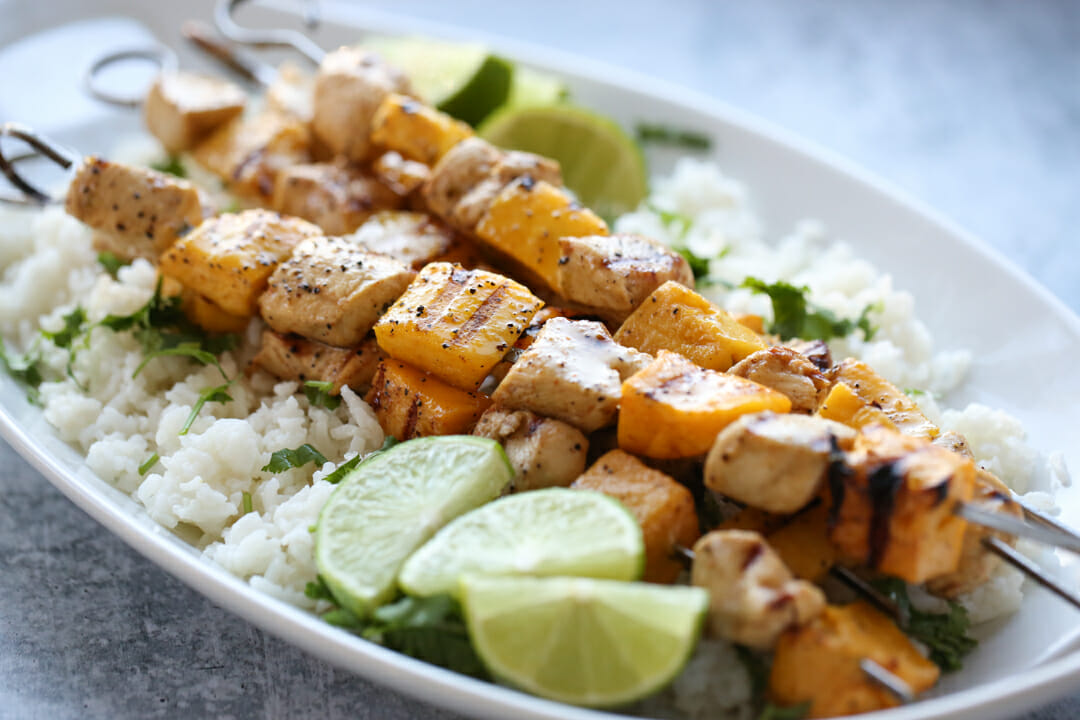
point(967, 294)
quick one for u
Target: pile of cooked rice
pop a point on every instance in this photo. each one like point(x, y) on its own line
point(203, 479)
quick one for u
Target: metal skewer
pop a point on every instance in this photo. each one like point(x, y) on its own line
point(279, 38)
point(202, 36)
point(160, 55)
point(40, 146)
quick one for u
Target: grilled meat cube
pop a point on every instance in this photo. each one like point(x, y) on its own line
point(775, 463)
point(405, 177)
point(349, 87)
point(417, 131)
point(875, 400)
point(456, 324)
point(678, 319)
point(228, 259)
point(573, 371)
point(787, 372)
point(182, 108)
point(957, 443)
point(977, 564)
point(291, 357)
point(816, 351)
point(335, 197)
point(332, 291)
point(753, 597)
point(291, 92)
point(466, 180)
point(248, 153)
point(543, 451)
point(894, 505)
point(412, 238)
point(410, 403)
point(526, 220)
point(819, 663)
point(674, 409)
point(663, 508)
point(615, 273)
point(138, 212)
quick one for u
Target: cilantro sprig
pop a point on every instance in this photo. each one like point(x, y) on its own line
point(430, 628)
point(111, 262)
point(318, 394)
point(795, 317)
point(945, 634)
point(286, 459)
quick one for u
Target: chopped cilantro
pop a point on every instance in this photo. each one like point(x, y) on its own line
point(781, 712)
point(318, 394)
point(666, 135)
point(317, 590)
point(428, 628)
point(248, 506)
point(795, 317)
point(25, 369)
point(217, 394)
point(171, 165)
point(945, 634)
point(674, 221)
point(74, 322)
point(150, 462)
point(698, 265)
point(111, 262)
point(186, 349)
point(286, 459)
point(349, 465)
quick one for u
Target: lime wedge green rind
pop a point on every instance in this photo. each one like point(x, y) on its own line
point(596, 643)
point(488, 88)
point(392, 504)
point(600, 163)
point(556, 531)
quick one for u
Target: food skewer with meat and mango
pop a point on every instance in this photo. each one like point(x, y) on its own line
point(389, 249)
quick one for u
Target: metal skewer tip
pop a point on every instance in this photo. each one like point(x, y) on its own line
point(892, 682)
point(298, 41)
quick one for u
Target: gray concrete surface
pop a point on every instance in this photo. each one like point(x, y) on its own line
point(972, 106)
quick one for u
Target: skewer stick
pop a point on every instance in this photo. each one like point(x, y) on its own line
point(298, 41)
point(202, 36)
point(1031, 569)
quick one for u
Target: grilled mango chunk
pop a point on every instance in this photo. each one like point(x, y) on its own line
point(208, 315)
point(229, 259)
point(456, 324)
point(818, 663)
point(675, 409)
point(291, 357)
point(137, 212)
point(676, 318)
point(415, 130)
point(867, 398)
point(332, 291)
point(803, 543)
point(526, 220)
point(410, 403)
point(182, 108)
point(893, 510)
point(248, 153)
point(663, 507)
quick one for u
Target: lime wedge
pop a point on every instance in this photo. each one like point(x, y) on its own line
point(600, 162)
point(461, 79)
point(587, 642)
point(391, 504)
point(545, 532)
point(536, 88)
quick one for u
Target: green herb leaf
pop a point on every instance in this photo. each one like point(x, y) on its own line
point(74, 322)
point(171, 165)
point(247, 503)
point(757, 667)
point(285, 459)
point(780, 712)
point(150, 462)
point(349, 465)
point(318, 394)
point(111, 262)
point(794, 317)
point(317, 590)
point(698, 265)
point(217, 394)
point(945, 634)
point(430, 629)
point(676, 222)
point(26, 369)
point(186, 349)
point(666, 135)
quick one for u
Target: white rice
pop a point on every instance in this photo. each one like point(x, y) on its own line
point(200, 483)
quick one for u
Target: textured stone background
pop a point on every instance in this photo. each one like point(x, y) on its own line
point(973, 107)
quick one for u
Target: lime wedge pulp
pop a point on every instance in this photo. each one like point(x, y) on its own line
point(545, 532)
point(600, 162)
point(462, 79)
point(531, 87)
point(588, 642)
point(391, 504)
